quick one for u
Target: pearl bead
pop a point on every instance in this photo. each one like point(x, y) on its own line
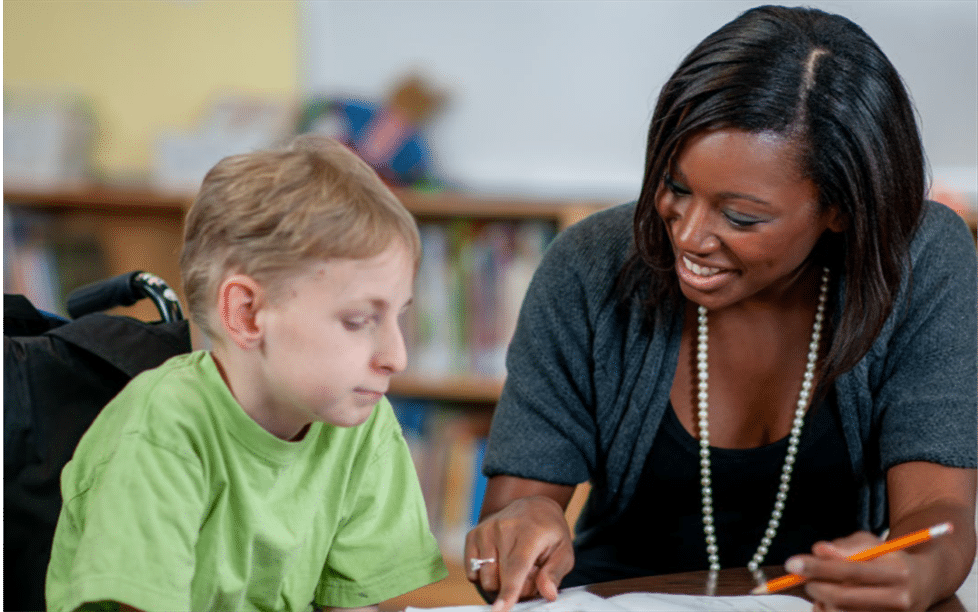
point(793, 439)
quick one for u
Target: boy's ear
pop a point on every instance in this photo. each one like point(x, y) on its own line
point(239, 300)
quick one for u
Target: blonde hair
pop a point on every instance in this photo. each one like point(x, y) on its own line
point(270, 213)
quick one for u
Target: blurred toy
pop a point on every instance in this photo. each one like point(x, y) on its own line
point(387, 135)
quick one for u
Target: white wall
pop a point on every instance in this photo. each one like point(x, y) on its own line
point(553, 98)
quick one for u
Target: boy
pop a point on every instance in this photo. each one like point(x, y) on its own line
point(268, 473)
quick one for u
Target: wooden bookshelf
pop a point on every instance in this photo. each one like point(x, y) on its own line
point(141, 229)
point(449, 388)
point(136, 229)
point(455, 205)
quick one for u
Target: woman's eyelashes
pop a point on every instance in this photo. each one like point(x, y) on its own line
point(675, 187)
point(740, 220)
point(733, 217)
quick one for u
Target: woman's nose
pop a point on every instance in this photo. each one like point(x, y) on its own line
point(692, 229)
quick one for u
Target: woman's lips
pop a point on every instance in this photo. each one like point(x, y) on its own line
point(698, 269)
point(701, 278)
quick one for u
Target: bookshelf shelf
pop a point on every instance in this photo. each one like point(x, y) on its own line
point(465, 389)
point(129, 200)
point(455, 205)
point(138, 201)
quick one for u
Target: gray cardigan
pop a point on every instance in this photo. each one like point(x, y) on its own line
point(589, 379)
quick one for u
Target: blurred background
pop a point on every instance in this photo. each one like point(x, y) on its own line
point(542, 98)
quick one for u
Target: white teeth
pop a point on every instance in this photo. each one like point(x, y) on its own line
point(699, 270)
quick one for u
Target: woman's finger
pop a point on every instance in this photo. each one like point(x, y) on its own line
point(558, 565)
point(513, 575)
point(891, 571)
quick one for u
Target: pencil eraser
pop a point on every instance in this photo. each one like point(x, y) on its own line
point(941, 529)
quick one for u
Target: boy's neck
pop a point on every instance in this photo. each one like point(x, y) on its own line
point(239, 382)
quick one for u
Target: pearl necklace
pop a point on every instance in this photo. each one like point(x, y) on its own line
point(705, 474)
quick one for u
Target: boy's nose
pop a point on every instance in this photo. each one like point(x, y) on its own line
point(391, 354)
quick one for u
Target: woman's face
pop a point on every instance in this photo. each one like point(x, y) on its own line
point(741, 220)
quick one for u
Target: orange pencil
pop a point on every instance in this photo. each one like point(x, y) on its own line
point(917, 537)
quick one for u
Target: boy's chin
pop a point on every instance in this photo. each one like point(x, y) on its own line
point(351, 418)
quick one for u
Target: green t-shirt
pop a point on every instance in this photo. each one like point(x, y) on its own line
point(176, 499)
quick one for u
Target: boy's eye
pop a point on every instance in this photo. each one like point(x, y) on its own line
point(355, 323)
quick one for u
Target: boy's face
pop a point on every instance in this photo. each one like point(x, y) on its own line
point(332, 340)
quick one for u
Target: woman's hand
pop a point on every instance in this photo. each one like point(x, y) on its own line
point(529, 539)
point(920, 495)
point(835, 583)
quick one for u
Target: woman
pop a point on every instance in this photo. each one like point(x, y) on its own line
point(769, 358)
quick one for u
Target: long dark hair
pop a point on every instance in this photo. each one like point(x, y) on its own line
point(820, 80)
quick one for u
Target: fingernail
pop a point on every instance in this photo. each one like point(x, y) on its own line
point(795, 566)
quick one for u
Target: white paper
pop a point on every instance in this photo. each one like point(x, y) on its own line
point(579, 600)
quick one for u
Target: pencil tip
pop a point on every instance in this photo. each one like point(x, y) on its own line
point(760, 590)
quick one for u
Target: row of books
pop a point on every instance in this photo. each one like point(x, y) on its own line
point(469, 288)
point(44, 261)
point(447, 443)
point(471, 283)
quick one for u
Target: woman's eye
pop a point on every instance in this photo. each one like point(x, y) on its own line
point(740, 220)
point(675, 187)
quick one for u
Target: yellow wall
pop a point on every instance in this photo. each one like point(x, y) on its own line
point(148, 65)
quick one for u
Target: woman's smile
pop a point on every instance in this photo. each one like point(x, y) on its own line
point(699, 277)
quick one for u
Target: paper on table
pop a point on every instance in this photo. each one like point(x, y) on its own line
point(746, 603)
point(579, 600)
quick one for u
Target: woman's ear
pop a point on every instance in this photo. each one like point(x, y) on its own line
point(239, 300)
point(838, 220)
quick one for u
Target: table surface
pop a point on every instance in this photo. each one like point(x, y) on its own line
point(739, 581)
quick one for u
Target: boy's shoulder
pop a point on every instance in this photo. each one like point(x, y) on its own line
point(157, 404)
point(181, 383)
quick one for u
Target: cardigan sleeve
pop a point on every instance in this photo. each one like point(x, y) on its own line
point(544, 426)
point(927, 377)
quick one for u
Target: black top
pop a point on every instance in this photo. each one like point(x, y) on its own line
point(662, 529)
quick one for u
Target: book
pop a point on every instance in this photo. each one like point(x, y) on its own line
point(577, 599)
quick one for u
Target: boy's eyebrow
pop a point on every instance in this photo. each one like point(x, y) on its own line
point(382, 304)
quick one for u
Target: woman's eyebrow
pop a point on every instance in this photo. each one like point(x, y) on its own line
point(677, 173)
